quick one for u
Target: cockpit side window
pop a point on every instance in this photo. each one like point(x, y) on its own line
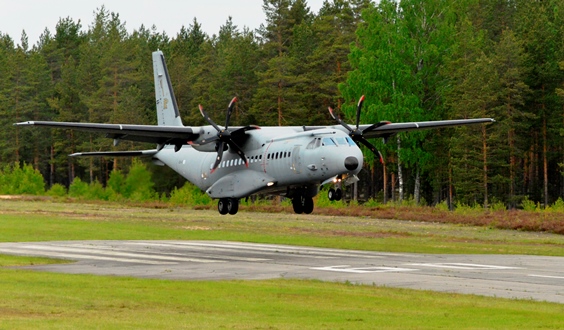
point(350, 141)
point(315, 143)
point(311, 145)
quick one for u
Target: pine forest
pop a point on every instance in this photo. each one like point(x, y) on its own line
point(414, 60)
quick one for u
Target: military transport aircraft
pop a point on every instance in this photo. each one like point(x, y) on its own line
point(230, 163)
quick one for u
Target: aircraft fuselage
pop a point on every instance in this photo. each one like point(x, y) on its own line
point(294, 160)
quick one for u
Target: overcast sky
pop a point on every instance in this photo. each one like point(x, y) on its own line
point(34, 16)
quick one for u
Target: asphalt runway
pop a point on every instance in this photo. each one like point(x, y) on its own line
point(509, 276)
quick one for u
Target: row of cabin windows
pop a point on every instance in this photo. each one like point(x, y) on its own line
point(239, 161)
point(279, 155)
point(254, 159)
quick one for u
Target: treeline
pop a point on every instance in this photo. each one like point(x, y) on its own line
point(413, 59)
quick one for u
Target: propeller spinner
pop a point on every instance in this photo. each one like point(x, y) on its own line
point(356, 133)
point(225, 136)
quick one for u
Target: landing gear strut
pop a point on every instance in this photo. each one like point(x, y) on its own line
point(228, 205)
point(302, 204)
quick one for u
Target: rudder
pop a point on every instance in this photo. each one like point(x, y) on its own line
point(167, 108)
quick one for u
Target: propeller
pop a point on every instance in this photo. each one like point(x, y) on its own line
point(356, 134)
point(225, 136)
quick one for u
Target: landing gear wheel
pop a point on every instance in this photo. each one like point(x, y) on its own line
point(298, 205)
point(232, 205)
point(338, 194)
point(331, 194)
point(307, 205)
point(302, 204)
point(222, 206)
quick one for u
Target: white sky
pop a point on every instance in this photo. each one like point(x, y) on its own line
point(34, 16)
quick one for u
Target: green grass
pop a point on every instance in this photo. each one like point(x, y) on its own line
point(45, 221)
point(39, 300)
point(33, 299)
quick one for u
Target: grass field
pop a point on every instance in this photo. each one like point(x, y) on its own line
point(44, 300)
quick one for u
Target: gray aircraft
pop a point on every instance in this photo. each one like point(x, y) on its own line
point(230, 163)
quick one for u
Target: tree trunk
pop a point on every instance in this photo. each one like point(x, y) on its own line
point(52, 167)
point(545, 162)
point(485, 165)
point(417, 189)
point(400, 172)
point(449, 198)
point(385, 183)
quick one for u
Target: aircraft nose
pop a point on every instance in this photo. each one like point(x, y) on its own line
point(351, 163)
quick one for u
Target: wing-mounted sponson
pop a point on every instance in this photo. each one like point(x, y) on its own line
point(240, 184)
point(175, 135)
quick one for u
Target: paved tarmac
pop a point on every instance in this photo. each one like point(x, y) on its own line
point(509, 276)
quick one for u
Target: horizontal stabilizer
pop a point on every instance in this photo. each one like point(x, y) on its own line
point(140, 153)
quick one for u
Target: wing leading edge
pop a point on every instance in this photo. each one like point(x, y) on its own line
point(175, 135)
point(386, 129)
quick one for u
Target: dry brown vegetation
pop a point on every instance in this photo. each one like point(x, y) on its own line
point(544, 221)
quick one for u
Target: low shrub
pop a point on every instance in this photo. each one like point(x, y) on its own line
point(189, 195)
point(18, 180)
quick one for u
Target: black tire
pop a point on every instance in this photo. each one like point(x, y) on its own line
point(331, 194)
point(338, 194)
point(298, 205)
point(232, 206)
point(308, 205)
point(222, 206)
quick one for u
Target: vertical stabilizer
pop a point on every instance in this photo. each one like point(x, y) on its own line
point(167, 109)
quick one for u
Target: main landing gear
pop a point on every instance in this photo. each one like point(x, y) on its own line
point(228, 205)
point(302, 204)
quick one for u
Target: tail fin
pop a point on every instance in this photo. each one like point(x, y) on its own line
point(167, 108)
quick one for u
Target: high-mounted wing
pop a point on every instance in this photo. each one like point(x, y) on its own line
point(176, 135)
point(386, 129)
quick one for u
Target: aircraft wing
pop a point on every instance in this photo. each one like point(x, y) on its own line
point(177, 135)
point(387, 129)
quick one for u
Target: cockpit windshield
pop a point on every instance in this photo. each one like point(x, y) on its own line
point(332, 142)
point(329, 142)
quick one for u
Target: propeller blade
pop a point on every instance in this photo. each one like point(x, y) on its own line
point(358, 108)
point(239, 152)
point(230, 111)
point(209, 140)
point(208, 119)
point(374, 126)
point(371, 147)
point(242, 130)
point(220, 148)
point(339, 120)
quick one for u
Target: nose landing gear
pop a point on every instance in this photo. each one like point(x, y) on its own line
point(335, 194)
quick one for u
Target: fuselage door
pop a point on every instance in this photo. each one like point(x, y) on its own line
point(296, 160)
